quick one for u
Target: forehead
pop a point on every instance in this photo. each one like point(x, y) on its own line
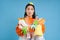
point(30, 6)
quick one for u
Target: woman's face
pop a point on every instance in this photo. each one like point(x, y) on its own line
point(30, 11)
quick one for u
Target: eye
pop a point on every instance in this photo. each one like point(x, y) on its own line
point(28, 8)
point(32, 9)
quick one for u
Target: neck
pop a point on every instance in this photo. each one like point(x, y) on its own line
point(29, 16)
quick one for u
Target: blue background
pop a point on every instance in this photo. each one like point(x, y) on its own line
point(11, 10)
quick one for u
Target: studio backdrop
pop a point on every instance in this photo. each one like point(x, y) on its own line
point(11, 10)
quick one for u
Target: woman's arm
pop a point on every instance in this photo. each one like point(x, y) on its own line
point(19, 31)
point(41, 22)
point(19, 28)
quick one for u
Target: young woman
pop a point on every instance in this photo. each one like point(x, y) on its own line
point(26, 22)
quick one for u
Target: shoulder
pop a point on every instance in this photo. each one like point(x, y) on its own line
point(42, 19)
point(20, 19)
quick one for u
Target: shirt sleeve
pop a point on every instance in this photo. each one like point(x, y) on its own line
point(20, 22)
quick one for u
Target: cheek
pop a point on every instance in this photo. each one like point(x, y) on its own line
point(32, 12)
point(27, 12)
